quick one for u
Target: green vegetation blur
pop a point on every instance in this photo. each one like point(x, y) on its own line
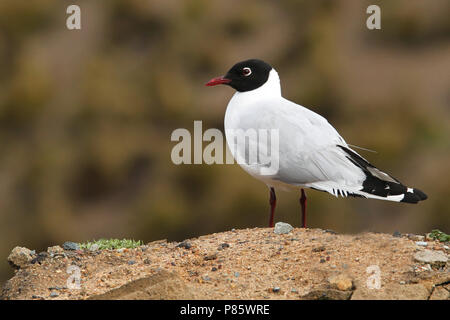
point(86, 115)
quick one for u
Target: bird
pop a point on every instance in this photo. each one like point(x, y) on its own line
point(310, 152)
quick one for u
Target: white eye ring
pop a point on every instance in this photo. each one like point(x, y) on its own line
point(246, 71)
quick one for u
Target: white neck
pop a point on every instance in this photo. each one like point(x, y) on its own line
point(270, 88)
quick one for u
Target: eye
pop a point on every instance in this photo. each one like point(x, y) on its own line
point(246, 71)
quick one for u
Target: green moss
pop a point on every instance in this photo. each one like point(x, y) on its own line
point(111, 244)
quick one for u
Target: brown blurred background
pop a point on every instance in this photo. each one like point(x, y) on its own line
point(86, 116)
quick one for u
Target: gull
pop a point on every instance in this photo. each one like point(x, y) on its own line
point(310, 153)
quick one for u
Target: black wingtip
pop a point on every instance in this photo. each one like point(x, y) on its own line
point(414, 197)
point(420, 194)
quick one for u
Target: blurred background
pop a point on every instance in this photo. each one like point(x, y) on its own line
point(86, 115)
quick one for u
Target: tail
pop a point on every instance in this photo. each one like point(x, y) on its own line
point(380, 185)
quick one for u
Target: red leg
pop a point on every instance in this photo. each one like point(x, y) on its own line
point(273, 203)
point(303, 204)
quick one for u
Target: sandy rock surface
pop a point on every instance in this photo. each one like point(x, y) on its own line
point(242, 264)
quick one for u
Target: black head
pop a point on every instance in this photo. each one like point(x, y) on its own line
point(245, 76)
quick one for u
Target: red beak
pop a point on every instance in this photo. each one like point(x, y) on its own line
point(218, 80)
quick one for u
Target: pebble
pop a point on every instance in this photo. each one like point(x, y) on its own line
point(223, 246)
point(184, 244)
point(55, 250)
point(282, 228)
point(213, 269)
point(41, 256)
point(397, 234)
point(94, 247)
point(206, 278)
point(69, 245)
point(131, 262)
point(421, 243)
point(276, 289)
point(212, 256)
point(54, 294)
point(318, 249)
point(236, 274)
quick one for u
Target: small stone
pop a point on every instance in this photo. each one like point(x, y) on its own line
point(131, 262)
point(318, 249)
point(421, 243)
point(212, 256)
point(282, 228)
point(276, 289)
point(54, 294)
point(236, 274)
point(69, 245)
point(20, 257)
point(434, 258)
point(41, 256)
point(402, 282)
point(397, 234)
point(147, 261)
point(184, 244)
point(223, 246)
point(94, 247)
point(213, 269)
point(206, 278)
point(293, 290)
point(341, 282)
point(322, 260)
point(55, 250)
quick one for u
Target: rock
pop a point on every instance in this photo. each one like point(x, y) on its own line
point(392, 292)
point(94, 247)
point(55, 250)
point(54, 294)
point(69, 245)
point(318, 249)
point(20, 257)
point(212, 256)
point(421, 243)
point(276, 289)
point(184, 244)
point(206, 278)
point(327, 294)
point(236, 274)
point(440, 293)
point(223, 246)
point(341, 282)
point(41, 256)
point(282, 228)
point(434, 258)
point(131, 262)
point(397, 234)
